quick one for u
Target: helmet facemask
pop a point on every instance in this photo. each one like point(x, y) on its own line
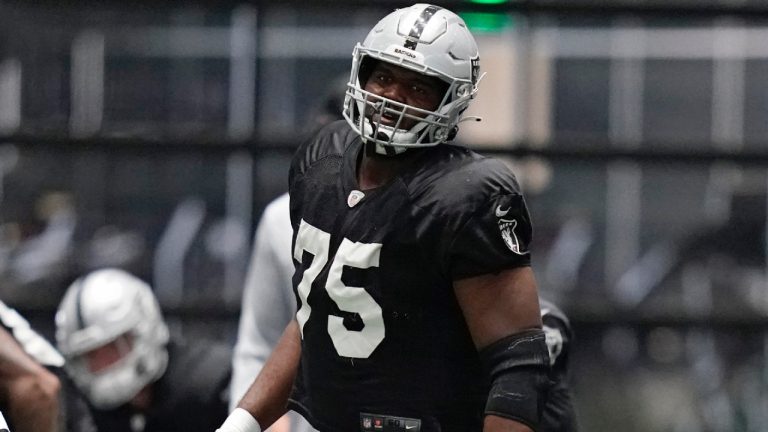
point(141, 362)
point(120, 381)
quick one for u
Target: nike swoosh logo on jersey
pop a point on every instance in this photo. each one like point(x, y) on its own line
point(500, 212)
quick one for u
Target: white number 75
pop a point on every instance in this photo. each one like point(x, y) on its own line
point(348, 343)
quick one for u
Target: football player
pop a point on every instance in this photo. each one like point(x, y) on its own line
point(268, 306)
point(417, 306)
point(119, 354)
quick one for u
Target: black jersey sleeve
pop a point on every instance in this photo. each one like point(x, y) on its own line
point(496, 237)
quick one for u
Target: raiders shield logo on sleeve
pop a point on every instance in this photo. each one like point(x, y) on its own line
point(508, 234)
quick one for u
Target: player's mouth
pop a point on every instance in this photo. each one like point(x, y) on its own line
point(387, 118)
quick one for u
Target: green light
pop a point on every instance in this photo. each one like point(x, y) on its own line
point(488, 1)
point(487, 22)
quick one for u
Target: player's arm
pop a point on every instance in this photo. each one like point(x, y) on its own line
point(502, 314)
point(267, 398)
point(30, 391)
point(267, 303)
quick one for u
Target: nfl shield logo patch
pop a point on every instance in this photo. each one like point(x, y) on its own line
point(354, 197)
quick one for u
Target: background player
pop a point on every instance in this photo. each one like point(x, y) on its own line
point(134, 376)
point(559, 414)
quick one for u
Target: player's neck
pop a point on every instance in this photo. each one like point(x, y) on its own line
point(375, 170)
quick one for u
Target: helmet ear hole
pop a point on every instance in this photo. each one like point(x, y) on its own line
point(464, 90)
point(452, 133)
point(141, 367)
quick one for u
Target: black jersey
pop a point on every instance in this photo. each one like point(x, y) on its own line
point(382, 332)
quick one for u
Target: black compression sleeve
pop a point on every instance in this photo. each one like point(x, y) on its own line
point(518, 366)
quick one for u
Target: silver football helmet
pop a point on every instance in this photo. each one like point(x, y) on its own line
point(427, 39)
point(100, 308)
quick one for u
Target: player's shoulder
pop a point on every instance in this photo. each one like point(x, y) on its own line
point(331, 140)
point(457, 176)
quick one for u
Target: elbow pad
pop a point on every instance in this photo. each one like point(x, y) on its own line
point(518, 367)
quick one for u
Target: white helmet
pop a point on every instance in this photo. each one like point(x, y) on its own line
point(427, 39)
point(96, 310)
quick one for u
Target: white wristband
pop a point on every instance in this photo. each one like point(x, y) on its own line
point(240, 420)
